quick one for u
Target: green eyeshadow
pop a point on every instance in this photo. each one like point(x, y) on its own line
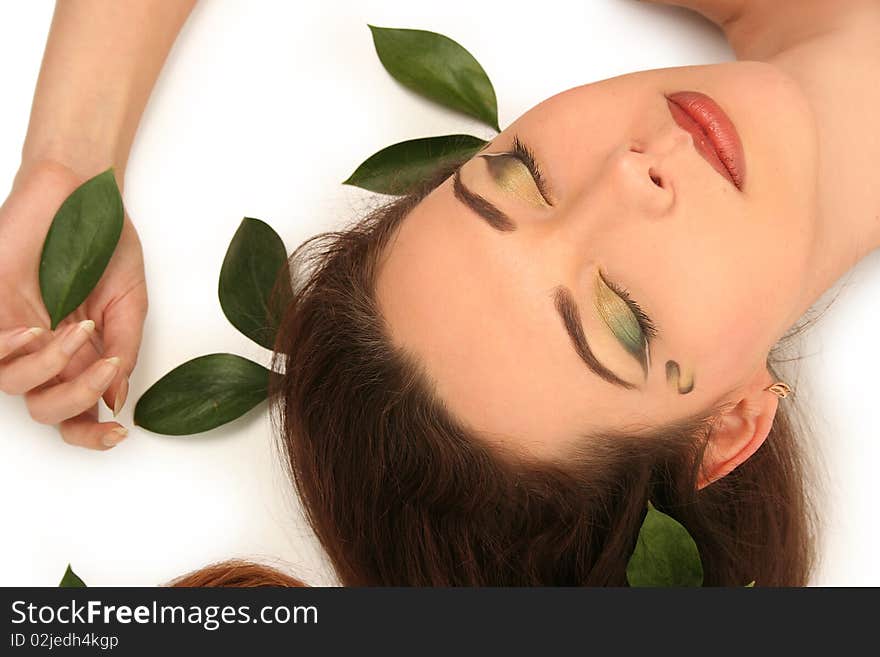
point(622, 322)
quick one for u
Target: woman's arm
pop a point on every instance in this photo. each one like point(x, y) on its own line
point(100, 64)
point(101, 61)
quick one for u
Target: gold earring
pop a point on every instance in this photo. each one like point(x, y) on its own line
point(780, 389)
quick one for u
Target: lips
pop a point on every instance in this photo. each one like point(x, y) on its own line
point(715, 136)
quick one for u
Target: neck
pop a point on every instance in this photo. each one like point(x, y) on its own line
point(831, 48)
point(762, 29)
point(840, 243)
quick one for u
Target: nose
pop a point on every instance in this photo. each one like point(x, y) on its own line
point(641, 177)
point(634, 183)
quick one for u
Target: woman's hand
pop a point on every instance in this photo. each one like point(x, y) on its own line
point(63, 374)
point(99, 67)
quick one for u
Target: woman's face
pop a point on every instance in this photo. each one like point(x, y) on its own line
point(514, 305)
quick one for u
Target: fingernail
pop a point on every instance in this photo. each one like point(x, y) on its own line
point(114, 437)
point(77, 337)
point(20, 339)
point(103, 376)
point(121, 396)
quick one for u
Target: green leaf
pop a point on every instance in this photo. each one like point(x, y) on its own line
point(202, 394)
point(255, 257)
point(399, 168)
point(665, 554)
point(439, 69)
point(71, 580)
point(79, 244)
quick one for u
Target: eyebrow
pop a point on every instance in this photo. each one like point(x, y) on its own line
point(567, 307)
point(498, 219)
point(564, 301)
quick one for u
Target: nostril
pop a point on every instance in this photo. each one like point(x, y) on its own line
point(656, 179)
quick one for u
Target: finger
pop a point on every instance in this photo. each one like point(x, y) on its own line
point(12, 339)
point(56, 403)
point(82, 358)
point(26, 372)
point(84, 430)
point(44, 339)
point(122, 333)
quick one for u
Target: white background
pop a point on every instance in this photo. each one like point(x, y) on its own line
point(262, 110)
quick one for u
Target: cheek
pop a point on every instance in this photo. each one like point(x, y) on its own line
point(735, 271)
point(713, 357)
point(721, 319)
point(732, 337)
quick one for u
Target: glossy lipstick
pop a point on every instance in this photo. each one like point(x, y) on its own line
point(715, 136)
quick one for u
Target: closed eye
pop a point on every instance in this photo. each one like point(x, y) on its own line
point(508, 168)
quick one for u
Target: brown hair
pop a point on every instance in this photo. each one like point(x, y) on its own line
point(399, 493)
point(237, 574)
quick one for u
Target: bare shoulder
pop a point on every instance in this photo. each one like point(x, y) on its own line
point(761, 29)
point(720, 12)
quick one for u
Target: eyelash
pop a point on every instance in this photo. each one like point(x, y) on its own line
point(647, 326)
point(525, 155)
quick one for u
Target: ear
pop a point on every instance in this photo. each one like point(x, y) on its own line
point(740, 431)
